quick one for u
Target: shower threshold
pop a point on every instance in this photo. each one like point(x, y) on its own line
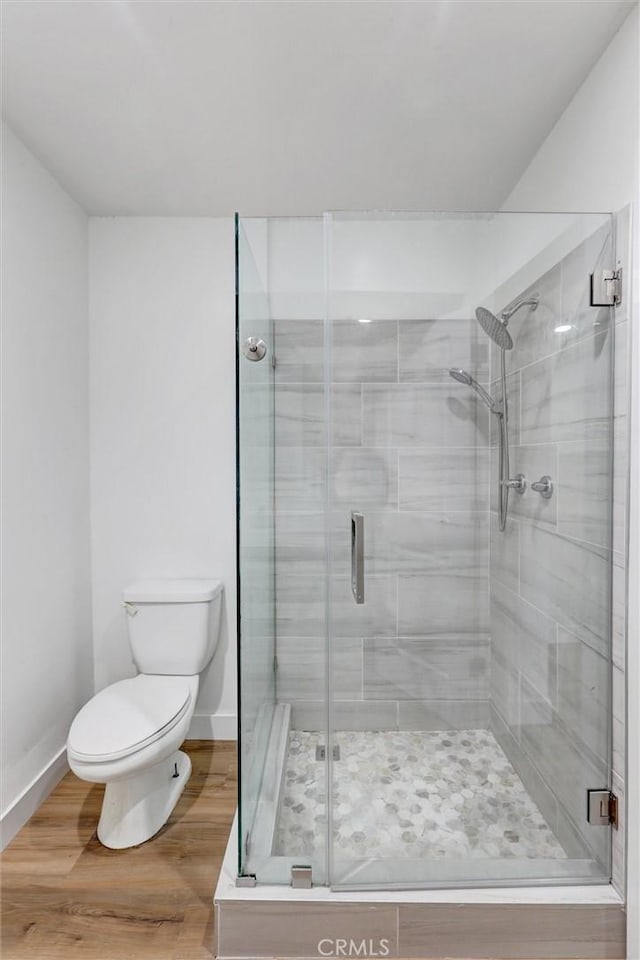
point(271, 921)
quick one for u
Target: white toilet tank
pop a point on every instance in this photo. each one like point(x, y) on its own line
point(173, 624)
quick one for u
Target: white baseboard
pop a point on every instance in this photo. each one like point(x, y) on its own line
point(202, 727)
point(213, 726)
point(30, 799)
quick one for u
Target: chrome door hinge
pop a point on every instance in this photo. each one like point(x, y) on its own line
point(301, 877)
point(275, 663)
point(602, 808)
point(606, 288)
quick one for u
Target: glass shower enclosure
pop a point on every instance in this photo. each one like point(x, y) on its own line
point(424, 548)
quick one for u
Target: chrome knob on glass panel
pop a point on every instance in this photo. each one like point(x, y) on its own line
point(254, 348)
point(543, 486)
point(517, 483)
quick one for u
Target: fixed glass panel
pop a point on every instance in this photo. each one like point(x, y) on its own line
point(470, 683)
point(256, 538)
point(282, 438)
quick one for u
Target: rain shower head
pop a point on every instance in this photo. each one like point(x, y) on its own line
point(494, 328)
point(457, 373)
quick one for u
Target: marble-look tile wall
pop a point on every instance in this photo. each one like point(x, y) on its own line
point(550, 603)
point(410, 449)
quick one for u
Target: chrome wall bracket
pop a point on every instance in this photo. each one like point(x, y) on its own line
point(301, 877)
point(602, 808)
point(254, 348)
point(517, 483)
point(606, 288)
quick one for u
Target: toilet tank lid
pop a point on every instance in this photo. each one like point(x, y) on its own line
point(172, 591)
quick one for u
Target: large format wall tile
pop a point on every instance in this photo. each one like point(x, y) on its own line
point(300, 478)
point(428, 348)
point(443, 714)
point(618, 704)
point(620, 435)
point(422, 543)
point(564, 764)
point(346, 714)
point(504, 692)
point(300, 415)
point(405, 415)
point(363, 477)
point(583, 692)
point(504, 550)
point(364, 351)
point(524, 638)
point(438, 603)
point(302, 664)
point(568, 581)
point(443, 479)
point(619, 611)
point(398, 542)
point(300, 544)
point(441, 669)
point(299, 350)
point(375, 618)
point(567, 396)
point(584, 484)
point(300, 604)
point(541, 794)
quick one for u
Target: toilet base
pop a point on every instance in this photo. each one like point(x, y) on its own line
point(133, 810)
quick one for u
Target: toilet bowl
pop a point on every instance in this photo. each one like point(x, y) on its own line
point(128, 736)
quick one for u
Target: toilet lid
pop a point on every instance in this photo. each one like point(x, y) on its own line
point(127, 716)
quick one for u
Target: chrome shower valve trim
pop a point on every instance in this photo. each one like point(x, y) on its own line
point(543, 486)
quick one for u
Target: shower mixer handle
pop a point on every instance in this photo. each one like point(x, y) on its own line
point(517, 483)
point(543, 486)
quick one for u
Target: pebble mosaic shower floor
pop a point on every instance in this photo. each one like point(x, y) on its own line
point(442, 794)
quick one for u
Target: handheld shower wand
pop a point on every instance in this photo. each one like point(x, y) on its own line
point(496, 330)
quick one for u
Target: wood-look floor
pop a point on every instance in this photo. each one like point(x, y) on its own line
point(66, 896)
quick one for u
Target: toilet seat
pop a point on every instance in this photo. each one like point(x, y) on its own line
point(127, 716)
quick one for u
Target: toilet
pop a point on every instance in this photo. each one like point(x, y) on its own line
point(128, 736)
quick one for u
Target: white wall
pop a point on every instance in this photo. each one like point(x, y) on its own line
point(162, 430)
point(46, 603)
point(590, 161)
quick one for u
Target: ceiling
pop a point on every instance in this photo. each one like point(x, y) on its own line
point(295, 106)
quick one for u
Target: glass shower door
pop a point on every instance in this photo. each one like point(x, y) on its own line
point(469, 666)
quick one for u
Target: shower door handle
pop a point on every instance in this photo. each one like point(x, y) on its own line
point(357, 556)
